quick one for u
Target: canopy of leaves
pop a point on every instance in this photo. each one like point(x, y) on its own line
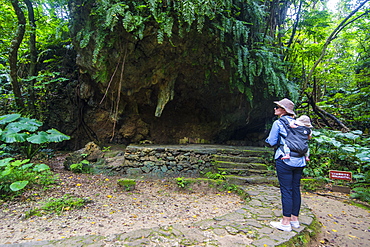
point(259, 43)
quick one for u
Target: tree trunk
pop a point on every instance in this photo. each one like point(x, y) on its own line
point(13, 54)
point(33, 56)
point(295, 25)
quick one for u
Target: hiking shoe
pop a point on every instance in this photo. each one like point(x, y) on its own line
point(280, 226)
point(295, 224)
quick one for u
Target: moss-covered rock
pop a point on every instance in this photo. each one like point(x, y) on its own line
point(127, 184)
point(312, 184)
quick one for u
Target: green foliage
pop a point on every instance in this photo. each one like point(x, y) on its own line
point(339, 83)
point(212, 175)
point(127, 184)
point(15, 175)
point(23, 133)
point(361, 193)
point(236, 27)
point(58, 205)
point(52, 35)
point(334, 150)
point(312, 184)
point(351, 103)
point(67, 202)
point(362, 186)
point(182, 182)
point(43, 85)
point(232, 188)
point(81, 167)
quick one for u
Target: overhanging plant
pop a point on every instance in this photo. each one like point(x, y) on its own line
point(23, 131)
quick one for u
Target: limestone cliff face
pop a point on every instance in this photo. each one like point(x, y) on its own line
point(163, 92)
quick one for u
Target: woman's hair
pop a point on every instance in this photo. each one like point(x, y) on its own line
point(289, 114)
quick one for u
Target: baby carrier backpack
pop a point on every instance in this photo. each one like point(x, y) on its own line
point(296, 139)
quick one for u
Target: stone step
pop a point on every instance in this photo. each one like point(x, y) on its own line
point(240, 180)
point(245, 172)
point(188, 160)
point(247, 151)
point(225, 164)
point(238, 159)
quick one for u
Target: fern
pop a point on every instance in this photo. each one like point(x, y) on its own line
point(160, 36)
point(113, 15)
point(132, 22)
point(86, 39)
point(237, 27)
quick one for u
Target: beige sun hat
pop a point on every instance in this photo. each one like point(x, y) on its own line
point(303, 120)
point(287, 104)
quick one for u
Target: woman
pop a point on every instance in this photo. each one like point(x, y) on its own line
point(289, 171)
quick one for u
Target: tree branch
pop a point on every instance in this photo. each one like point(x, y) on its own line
point(323, 114)
point(332, 36)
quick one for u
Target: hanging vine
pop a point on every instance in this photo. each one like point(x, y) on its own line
point(240, 27)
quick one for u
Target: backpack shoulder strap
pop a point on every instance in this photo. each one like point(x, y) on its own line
point(285, 123)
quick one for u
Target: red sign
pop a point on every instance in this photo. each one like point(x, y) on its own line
point(340, 175)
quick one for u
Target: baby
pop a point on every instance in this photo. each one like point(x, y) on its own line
point(303, 120)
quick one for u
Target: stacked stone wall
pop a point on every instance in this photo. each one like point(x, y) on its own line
point(165, 161)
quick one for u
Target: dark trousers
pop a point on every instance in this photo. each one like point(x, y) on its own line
point(290, 181)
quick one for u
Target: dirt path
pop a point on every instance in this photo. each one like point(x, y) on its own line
point(111, 209)
point(157, 203)
point(342, 224)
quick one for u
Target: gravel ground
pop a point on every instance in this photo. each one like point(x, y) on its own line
point(343, 224)
point(111, 210)
point(157, 203)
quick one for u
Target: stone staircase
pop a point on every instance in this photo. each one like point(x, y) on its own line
point(241, 165)
point(245, 166)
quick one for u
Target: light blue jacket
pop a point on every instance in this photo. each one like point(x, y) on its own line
point(273, 139)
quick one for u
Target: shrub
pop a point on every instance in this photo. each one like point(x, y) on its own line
point(23, 133)
point(81, 167)
point(15, 175)
point(334, 150)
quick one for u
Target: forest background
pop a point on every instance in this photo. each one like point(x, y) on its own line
point(91, 53)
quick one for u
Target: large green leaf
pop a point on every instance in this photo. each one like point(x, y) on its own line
point(9, 118)
point(11, 136)
point(349, 135)
point(41, 167)
point(39, 138)
point(349, 149)
point(6, 171)
point(364, 156)
point(19, 162)
point(5, 162)
point(25, 124)
point(51, 135)
point(56, 136)
point(18, 185)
